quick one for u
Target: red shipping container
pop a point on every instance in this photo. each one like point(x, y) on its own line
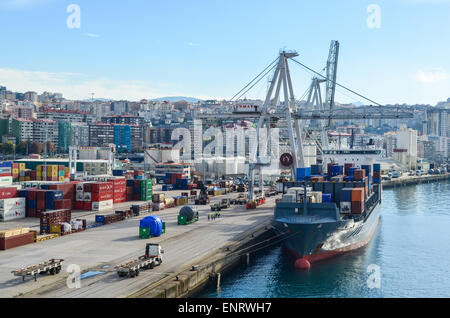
point(357, 207)
point(87, 206)
point(31, 213)
point(9, 174)
point(100, 187)
point(64, 204)
point(358, 194)
point(40, 195)
point(40, 204)
point(103, 196)
point(359, 174)
point(8, 193)
point(79, 205)
point(17, 240)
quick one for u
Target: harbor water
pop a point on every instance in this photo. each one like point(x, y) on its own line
point(409, 256)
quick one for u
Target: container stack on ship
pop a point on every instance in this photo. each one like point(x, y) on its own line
point(324, 215)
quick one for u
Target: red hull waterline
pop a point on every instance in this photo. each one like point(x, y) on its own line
point(305, 261)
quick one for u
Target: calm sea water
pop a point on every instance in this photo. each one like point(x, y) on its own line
point(411, 249)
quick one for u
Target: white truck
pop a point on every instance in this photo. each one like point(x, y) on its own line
point(152, 258)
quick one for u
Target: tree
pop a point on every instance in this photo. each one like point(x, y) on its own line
point(8, 148)
point(36, 147)
point(49, 147)
point(21, 148)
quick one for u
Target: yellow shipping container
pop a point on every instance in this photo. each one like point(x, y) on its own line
point(61, 179)
point(27, 178)
point(55, 228)
point(38, 178)
point(21, 166)
point(15, 171)
point(52, 171)
point(21, 179)
point(14, 232)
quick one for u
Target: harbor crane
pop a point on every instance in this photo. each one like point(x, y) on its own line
point(273, 110)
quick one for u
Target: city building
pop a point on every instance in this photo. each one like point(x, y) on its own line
point(123, 119)
point(21, 112)
point(65, 115)
point(45, 130)
point(406, 146)
point(80, 134)
point(125, 137)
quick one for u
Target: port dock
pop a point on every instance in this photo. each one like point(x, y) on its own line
point(413, 180)
point(202, 246)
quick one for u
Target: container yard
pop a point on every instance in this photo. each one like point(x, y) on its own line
point(99, 221)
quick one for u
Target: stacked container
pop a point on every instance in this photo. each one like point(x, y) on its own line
point(98, 196)
point(119, 189)
point(54, 217)
point(6, 169)
point(358, 202)
point(376, 173)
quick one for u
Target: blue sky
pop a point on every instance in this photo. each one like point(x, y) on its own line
point(212, 48)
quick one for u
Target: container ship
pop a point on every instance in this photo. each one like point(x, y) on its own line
point(323, 215)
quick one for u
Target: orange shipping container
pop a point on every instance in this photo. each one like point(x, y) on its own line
point(358, 194)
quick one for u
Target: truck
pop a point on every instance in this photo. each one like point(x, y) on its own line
point(151, 258)
point(223, 204)
point(241, 199)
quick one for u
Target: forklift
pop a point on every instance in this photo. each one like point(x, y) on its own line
point(203, 198)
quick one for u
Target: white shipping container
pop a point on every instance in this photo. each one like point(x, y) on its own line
point(87, 197)
point(6, 181)
point(79, 196)
point(346, 207)
point(13, 202)
point(102, 205)
point(12, 209)
point(79, 187)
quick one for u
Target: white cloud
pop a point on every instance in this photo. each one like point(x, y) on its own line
point(93, 35)
point(431, 76)
point(192, 44)
point(81, 86)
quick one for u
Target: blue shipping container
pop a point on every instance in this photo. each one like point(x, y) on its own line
point(316, 169)
point(346, 195)
point(326, 198)
point(6, 164)
point(100, 219)
point(376, 167)
point(304, 172)
point(351, 171)
point(336, 170)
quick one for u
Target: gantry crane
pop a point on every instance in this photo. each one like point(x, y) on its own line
point(274, 110)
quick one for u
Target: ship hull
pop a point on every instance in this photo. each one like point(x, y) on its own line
point(319, 241)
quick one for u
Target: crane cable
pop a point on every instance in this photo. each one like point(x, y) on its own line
point(250, 83)
point(336, 83)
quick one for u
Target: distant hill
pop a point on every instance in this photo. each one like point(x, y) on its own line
point(174, 99)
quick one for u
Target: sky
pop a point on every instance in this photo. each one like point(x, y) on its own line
point(395, 53)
